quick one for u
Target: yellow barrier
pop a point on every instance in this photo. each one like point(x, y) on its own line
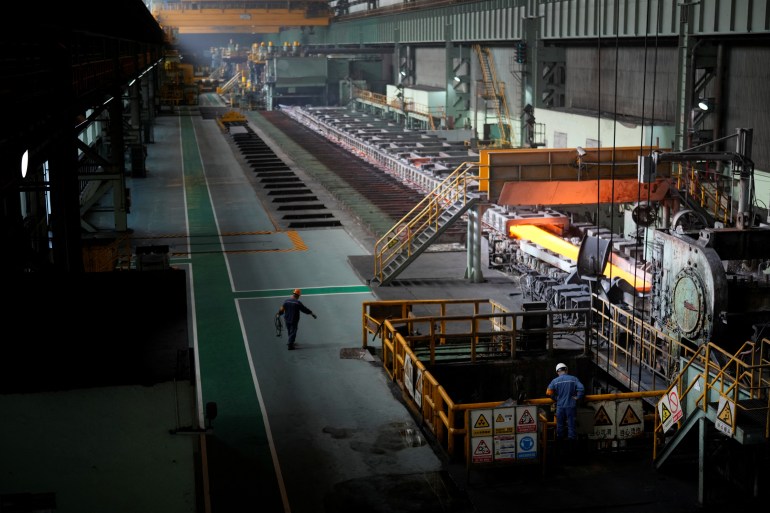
point(734, 377)
point(475, 329)
point(395, 322)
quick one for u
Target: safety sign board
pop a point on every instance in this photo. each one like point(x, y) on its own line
point(629, 419)
point(481, 423)
point(526, 419)
point(409, 375)
point(481, 449)
point(503, 434)
point(526, 446)
point(670, 409)
point(605, 427)
point(418, 388)
point(504, 420)
point(504, 428)
point(725, 421)
point(505, 447)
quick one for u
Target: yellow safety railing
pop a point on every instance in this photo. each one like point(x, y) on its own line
point(630, 342)
point(715, 373)
point(369, 96)
point(405, 105)
point(473, 329)
point(424, 216)
point(708, 193)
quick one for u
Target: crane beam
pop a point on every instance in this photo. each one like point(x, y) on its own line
point(214, 21)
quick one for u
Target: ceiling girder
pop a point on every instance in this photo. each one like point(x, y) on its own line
point(223, 21)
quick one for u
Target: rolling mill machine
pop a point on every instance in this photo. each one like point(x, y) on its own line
point(669, 238)
point(672, 237)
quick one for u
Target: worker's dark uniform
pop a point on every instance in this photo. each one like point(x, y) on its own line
point(568, 390)
point(291, 312)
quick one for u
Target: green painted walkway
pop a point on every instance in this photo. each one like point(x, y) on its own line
point(240, 461)
point(292, 426)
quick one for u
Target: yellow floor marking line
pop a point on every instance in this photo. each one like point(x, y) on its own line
point(296, 239)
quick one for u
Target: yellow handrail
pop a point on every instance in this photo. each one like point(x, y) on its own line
point(745, 373)
point(425, 215)
point(735, 379)
point(708, 194)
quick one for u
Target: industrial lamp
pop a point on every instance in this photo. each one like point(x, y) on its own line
point(706, 104)
point(24, 163)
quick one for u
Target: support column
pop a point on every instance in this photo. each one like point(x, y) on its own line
point(117, 159)
point(458, 80)
point(473, 246)
point(701, 458)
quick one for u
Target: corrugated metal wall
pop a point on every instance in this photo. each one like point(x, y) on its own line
point(502, 20)
point(748, 102)
point(638, 82)
point(643, 84)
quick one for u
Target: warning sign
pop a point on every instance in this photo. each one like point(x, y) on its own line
point(670, 409)
point(601, 418)
point(526, 419)
point(481, 450)
point(418, 388)
point(504, 420)
point(480, 422)
point(409, 375)
point(725, 421)
point(605, 427)
point(630, 419)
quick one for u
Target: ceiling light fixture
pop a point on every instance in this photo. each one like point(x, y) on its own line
point(24, 163)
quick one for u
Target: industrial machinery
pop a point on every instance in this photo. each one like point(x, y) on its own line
point(712, 283)
point(702, 275)
point(662, 231)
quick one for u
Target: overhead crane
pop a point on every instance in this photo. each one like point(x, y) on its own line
point(254, 17)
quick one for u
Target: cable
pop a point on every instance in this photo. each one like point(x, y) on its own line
point(278, 325)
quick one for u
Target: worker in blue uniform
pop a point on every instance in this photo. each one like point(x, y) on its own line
point(566, 390)
point(291, 309)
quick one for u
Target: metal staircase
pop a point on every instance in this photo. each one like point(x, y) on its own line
point(493, 92)
point(232, 82)
point(730, 392)
point(424, 224)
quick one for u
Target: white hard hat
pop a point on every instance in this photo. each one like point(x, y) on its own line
point(560, 366)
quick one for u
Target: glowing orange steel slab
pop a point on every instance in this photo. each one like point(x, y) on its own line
point(564, 192)
point(562, 247)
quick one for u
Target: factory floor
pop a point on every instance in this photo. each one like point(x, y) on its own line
point(311, 431)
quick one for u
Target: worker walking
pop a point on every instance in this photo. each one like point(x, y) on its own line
point(291, 310)
point(566, 390)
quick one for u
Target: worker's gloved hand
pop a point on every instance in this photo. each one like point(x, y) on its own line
point(314, 316)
